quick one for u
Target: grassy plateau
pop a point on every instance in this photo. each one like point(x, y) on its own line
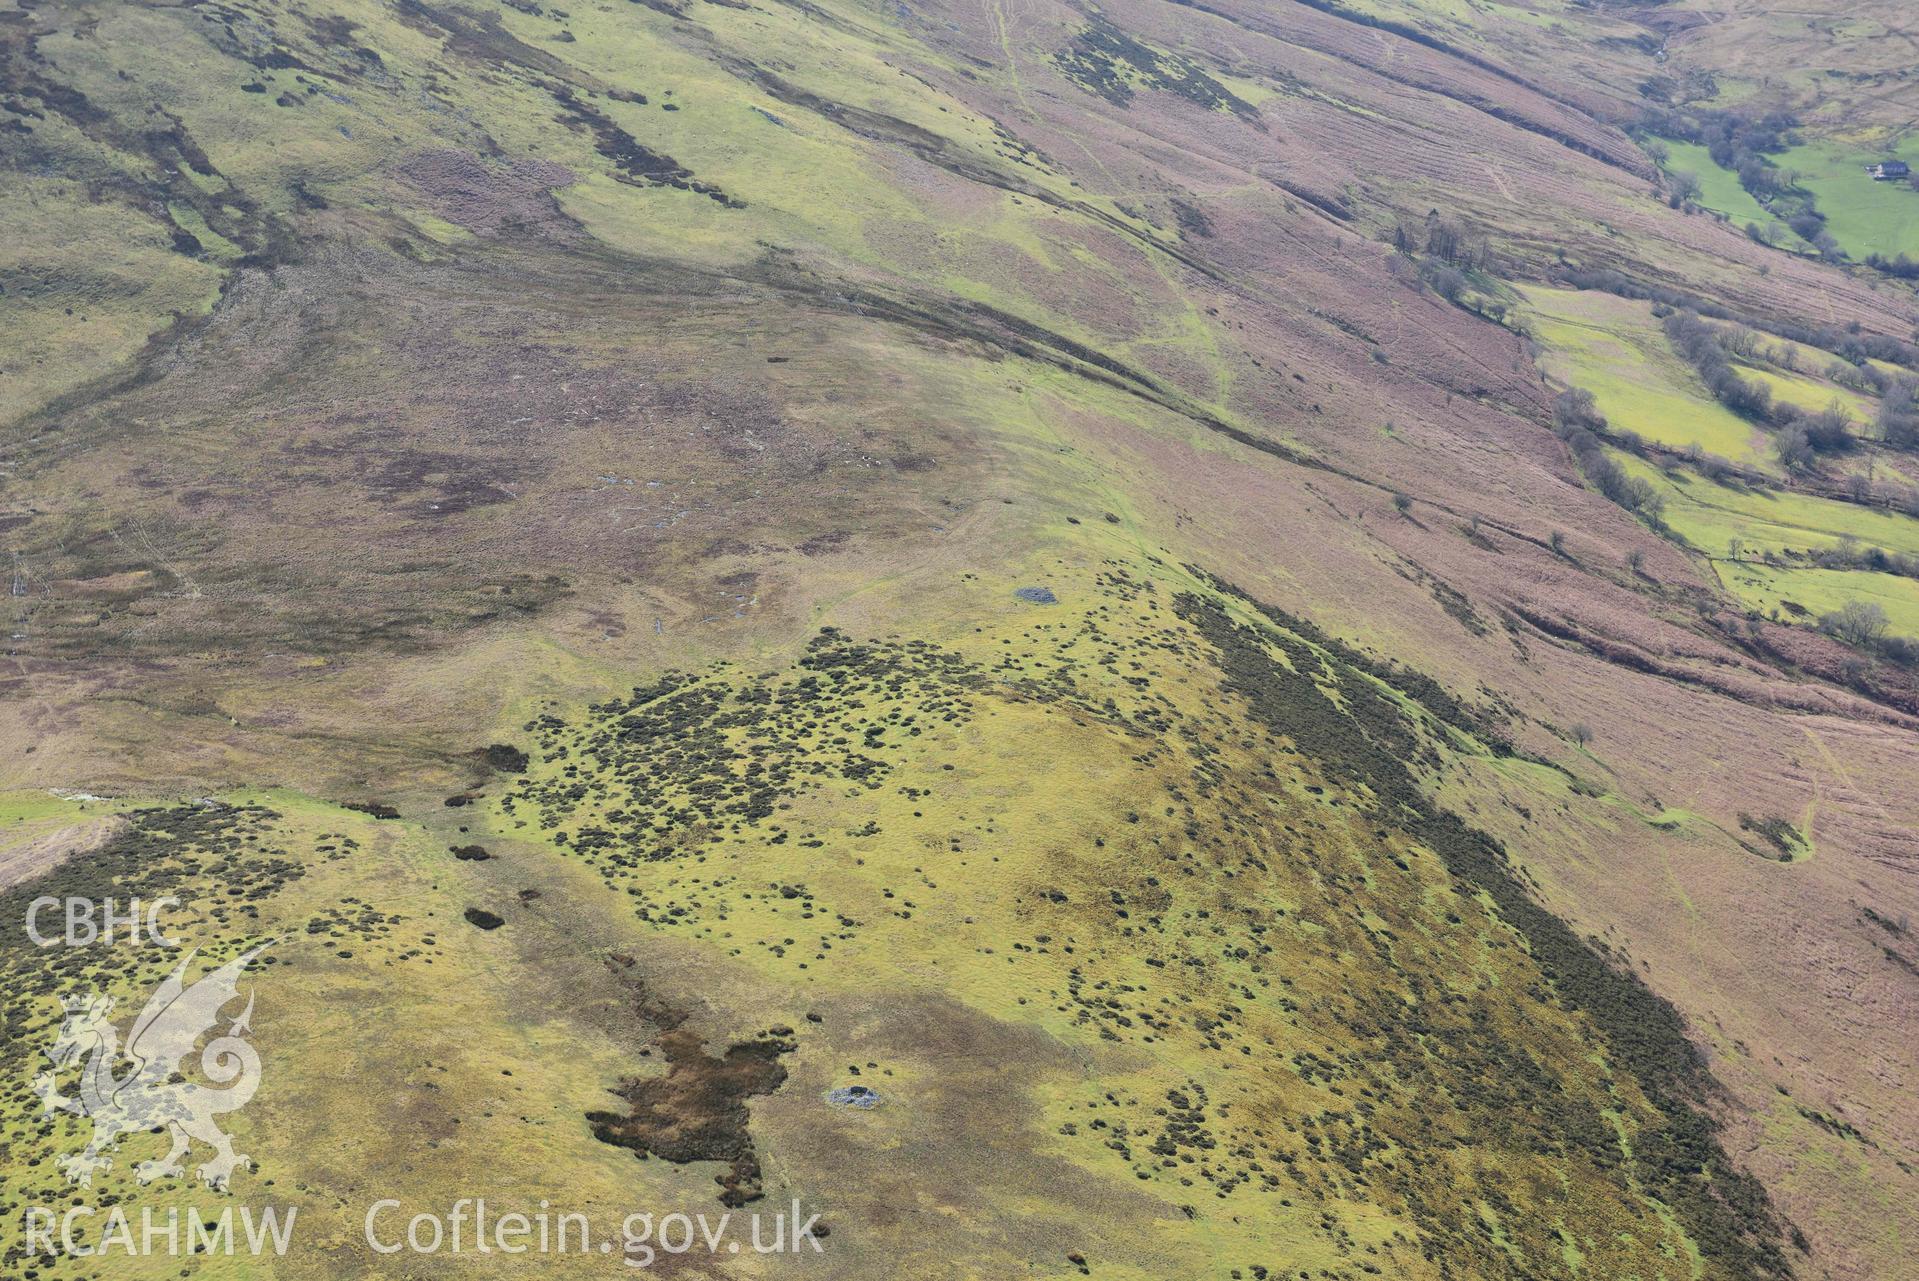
point(984, 619)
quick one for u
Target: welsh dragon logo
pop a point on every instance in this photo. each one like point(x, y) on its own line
point(153, 1093)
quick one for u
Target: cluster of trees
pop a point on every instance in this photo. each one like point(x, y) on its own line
point(1460, 246)
point(1736, 142)
point(1864, 625)
point(1853, 345)
point(1851, 554)
point(1900, 268)
point(1712, 466)
point(1612, 281)
point(1899, 414)
point(1447, 252)
point(1744, 145)
point(1810, 226)
point(1578, 422)
point(1803, 435)
point(1830, 429)
point(1867, 379)
point(1806, 436)
point(1443, 240)
point(1700, 344)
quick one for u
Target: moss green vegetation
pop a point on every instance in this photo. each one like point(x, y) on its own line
point(1808, 593)
point(375, 1005)
point(868, 821)
point(25, 812)
point(1719, 188)
point(1811, 394)
point(1290, 971)
point(1760, 543)
point(1613, 348)
point(1709, 515)
point(1864, 216)
point(773, 155)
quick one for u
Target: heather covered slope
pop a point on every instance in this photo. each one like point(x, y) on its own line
point(1373, 851)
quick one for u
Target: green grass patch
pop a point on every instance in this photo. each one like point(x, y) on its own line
point(1864, 216)
point(1803, 594)
point(1719, 189)
point(1812, 394)
point(1614, 349)
point(1709, 515)
point(1737, 527)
